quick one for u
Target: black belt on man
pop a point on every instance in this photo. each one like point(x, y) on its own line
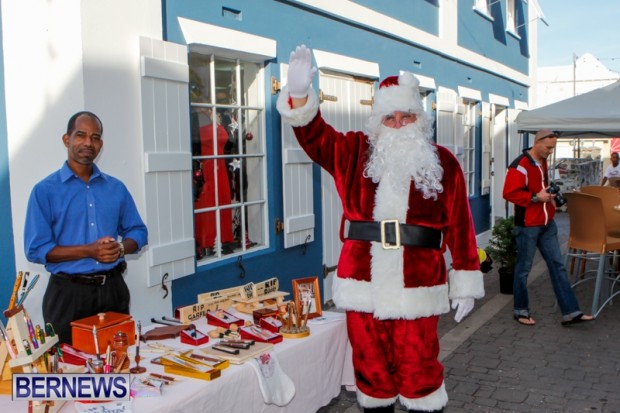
point(392, 234)
point(97, 278)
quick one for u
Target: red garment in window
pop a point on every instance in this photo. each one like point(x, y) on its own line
point(205, 222)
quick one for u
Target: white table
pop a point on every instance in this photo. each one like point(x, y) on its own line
point(318, 365)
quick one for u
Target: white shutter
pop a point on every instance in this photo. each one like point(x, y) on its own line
point(459, 134)
point(486, 148)
point(296, 187)
point(446, 108)
point(514, 144)
point(167, 154)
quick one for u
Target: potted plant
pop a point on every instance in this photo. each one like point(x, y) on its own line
point(503, 250)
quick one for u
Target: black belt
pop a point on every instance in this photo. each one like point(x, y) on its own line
point(392, 234)
point(98, 278)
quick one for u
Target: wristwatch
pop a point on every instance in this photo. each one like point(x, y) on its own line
point(534, 198)
point(121, 252)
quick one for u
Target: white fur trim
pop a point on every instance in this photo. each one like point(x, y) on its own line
point(350, 294)
point(299, 116)
point(404, 97)
point(406, 303)
point(466, 284)
point(370, 402)
point(434, 401)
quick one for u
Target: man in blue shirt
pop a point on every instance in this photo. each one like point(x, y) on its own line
point(80, 223)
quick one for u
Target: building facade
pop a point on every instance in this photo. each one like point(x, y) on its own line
point(186, 90)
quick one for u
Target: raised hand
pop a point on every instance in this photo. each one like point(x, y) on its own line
point(300, 72)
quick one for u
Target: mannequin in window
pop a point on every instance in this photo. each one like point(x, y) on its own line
point(205, 223)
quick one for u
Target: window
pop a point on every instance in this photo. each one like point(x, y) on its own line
point(228, 156)
point(484, 7)
point(469, 147)
point(511, 16)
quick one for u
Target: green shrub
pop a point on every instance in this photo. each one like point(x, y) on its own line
point(503, 246)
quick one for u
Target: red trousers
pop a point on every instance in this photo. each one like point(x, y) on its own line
point(395, 357)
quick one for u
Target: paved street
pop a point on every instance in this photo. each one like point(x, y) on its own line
point(494, 364)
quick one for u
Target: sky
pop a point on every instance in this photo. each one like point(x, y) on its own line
point(579, 27)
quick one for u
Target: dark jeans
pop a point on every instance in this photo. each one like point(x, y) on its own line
point(545, 238)
point(66, 300)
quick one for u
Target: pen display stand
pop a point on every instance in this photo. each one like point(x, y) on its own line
point(17, 330)
point(248, 306)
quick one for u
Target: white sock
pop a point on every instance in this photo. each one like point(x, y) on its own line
point(276, 386)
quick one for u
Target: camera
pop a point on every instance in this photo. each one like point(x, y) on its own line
point(554, 189)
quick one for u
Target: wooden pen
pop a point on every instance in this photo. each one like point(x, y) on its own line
point(162, 377)
point(18, 282)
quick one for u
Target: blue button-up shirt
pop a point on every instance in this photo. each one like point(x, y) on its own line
point(63, 210)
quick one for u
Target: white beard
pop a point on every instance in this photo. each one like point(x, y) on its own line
point(405, 154)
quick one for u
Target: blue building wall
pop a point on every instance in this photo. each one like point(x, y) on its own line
point(421, 14)
point(292, 24)
point(7, 252)
point(488, 37)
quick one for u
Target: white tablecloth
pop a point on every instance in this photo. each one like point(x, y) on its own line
point(318, 365)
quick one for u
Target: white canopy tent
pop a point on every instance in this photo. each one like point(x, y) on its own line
point(593, 113)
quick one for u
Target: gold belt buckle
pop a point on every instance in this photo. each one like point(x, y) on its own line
point(384, 244)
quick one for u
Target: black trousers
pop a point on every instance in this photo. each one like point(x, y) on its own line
point(66, 300)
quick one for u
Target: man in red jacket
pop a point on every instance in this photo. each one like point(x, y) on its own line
point(404, 202)
point(527, 181)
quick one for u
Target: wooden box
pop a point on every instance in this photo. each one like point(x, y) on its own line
point(262, 313)
point(175, 364)
point(108, 324)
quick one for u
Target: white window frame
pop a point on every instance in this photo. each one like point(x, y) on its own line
point(232, 44)
point(236, 206)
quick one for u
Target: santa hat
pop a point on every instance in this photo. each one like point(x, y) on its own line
point(398, 93)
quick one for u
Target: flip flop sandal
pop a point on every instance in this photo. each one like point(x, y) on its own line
point(518, 318)
point(577, 319)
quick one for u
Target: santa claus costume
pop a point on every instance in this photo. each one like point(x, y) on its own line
point(394, 181)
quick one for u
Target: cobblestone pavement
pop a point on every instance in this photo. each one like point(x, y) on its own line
point(493, 364)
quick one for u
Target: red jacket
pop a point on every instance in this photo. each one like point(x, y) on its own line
point(524, 178)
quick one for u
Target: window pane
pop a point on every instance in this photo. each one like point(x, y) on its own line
point(255, 216)
point(241, 231)
point(225, 82)
point(254, 178)
point(199, 78)
point(208, 242)
point(229, 119)
point(251, 91)
point(252, 142)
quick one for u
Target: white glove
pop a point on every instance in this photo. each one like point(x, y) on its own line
point(463, 306)
point(300, 72)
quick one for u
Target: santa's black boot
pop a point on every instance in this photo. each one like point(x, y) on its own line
point(425, 411)
point(382, 409)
